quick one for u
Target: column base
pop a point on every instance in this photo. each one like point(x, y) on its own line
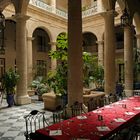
point(69, 113)
point(128, 93)
point(22, 100)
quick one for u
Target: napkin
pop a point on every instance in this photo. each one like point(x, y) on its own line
point(119, 120)
point(55, 132)
point(81, 117)
point(118, 103)
point(103, 128)
point(108, 106)
point(129, 113)
point(137, 108)
point(97, 111)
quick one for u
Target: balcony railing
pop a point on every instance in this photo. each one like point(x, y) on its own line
point(42, 5)
point(61, 13)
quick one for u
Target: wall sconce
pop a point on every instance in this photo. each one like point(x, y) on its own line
point(2, 27)
point(125, 18)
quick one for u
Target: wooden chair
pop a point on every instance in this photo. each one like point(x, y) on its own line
point(103, 101)
point(77, 109)
point(112, 98)
point(34, 120)
point(92, 104)
point(59, 114)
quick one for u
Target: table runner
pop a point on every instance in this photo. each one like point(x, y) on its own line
point(115, 116)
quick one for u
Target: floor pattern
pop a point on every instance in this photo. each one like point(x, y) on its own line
point(12, 123)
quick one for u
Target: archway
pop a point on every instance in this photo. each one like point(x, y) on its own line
point(89, 42)
point(41, 48)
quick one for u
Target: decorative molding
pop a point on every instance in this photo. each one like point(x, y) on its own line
point(30, 38)
point(100, 42)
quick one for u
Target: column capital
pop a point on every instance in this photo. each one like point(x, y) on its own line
point(137, 36)
point(52, 43)
point(130, 27)
point(110, 12)
point(21, 17)
point(30, 38)
point(100, 42)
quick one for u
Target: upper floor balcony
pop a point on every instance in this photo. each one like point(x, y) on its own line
point(86, 11)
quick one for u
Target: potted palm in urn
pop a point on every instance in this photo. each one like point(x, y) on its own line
point(9, 81)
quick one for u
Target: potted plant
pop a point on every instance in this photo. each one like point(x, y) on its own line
point(9, 81)
point(40, 86)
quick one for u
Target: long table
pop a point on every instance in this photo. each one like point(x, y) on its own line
point(91, 126)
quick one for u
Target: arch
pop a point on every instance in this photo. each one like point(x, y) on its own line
point(119, 37)
point(109, 4)
point(137, 21)
point(89, 42)
point(20, 6)
point(40, 50)
point(62, 37)
point(10, 43)
point(4, 3)
point(35, 26)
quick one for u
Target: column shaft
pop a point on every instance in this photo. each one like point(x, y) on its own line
point(53, 4)
point(75, 76)
point(29, 61)
point(21, 60)
point(100, 53)
point(138, 41)
point(109, 52)
point(53, 61)
point(128, 60)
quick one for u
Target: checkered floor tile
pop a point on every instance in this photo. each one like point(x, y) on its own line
point(12, 123)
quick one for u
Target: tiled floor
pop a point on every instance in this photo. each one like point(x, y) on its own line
point(12, 124)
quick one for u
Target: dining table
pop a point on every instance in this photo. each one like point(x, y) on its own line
point(98, 124)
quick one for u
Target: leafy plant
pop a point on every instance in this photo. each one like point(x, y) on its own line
point(40, 85)
point(9, 80)
point(92, 71)
point(57, 79)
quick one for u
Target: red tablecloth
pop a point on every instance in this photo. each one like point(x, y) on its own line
point(87, 128)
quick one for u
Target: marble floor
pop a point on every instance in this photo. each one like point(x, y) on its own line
point(12, 123)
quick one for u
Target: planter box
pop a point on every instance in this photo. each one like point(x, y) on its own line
point(51, 101)
point(31, 92)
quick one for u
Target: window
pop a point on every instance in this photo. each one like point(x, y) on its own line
point(41, 68)
point(41, 43)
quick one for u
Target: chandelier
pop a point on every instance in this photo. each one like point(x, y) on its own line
point(2, 27)
point(125, 18)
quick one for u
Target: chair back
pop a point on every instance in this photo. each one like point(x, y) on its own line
point(34, 120)
point(76, 109)
point(92, 104)
point(59, 114)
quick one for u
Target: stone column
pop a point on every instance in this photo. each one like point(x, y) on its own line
point(53, 61)
point(109, 52)
point(138, 40)
point(128, 60)
point(99, 6)
point(53, 4)
point(21, 59)
point(29, 60)
point(138, 50)
point(100, 52)
point(75, 63)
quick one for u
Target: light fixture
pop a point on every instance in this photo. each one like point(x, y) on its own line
point(125, 18)
point(2, 27)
